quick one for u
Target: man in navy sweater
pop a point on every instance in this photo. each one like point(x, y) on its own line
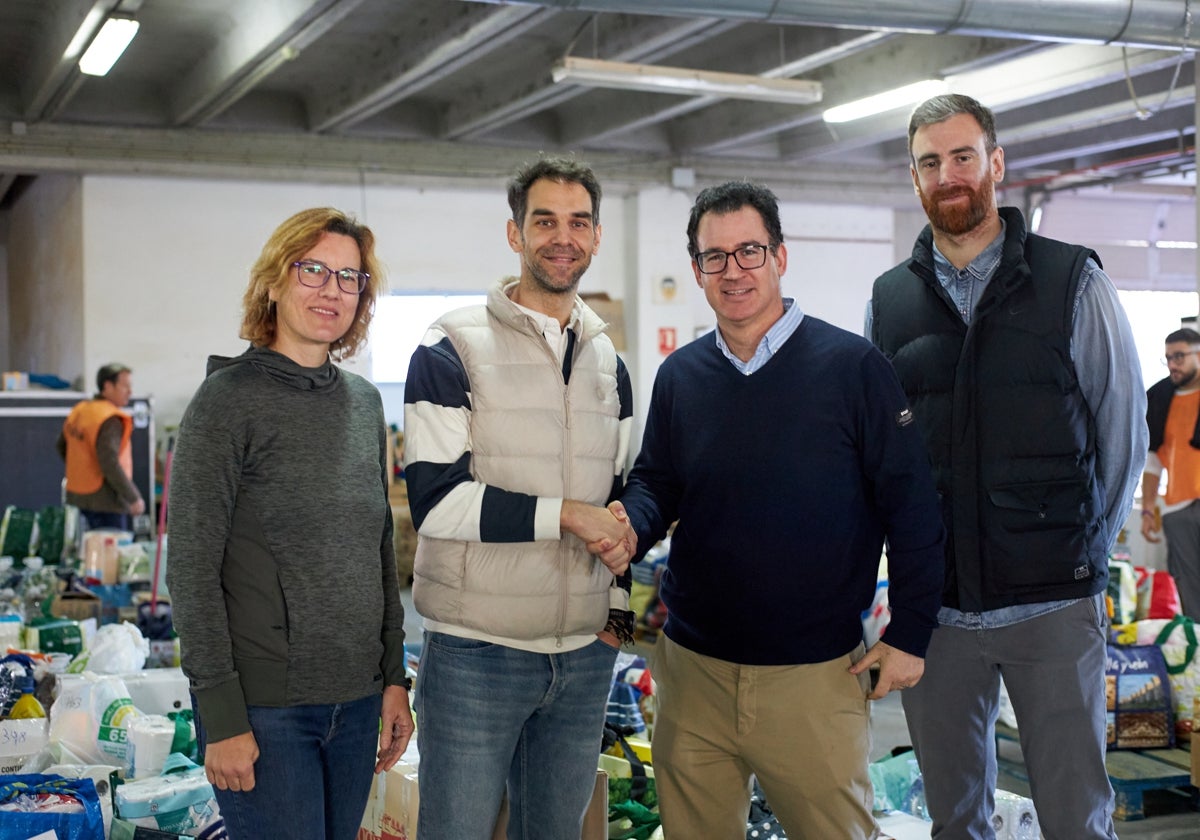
point(785, 449)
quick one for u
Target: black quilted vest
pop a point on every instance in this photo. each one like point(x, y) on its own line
point(1010, 437)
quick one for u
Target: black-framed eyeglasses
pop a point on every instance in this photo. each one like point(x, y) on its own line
point(1177, 357)
point(746, 256)
point(316, 274)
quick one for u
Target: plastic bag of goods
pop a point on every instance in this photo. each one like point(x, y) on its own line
point(91, 717)
point(115, 649)
point(180, 801)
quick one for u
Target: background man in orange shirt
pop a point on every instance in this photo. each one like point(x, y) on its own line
point(1173, 415)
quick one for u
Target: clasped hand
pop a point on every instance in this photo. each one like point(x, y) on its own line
point(606, 531)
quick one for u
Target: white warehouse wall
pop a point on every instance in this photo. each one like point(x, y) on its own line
point(835, 252)
point(163, 263)
point(166, 262)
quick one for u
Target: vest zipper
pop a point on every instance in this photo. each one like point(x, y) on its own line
point(563, 571)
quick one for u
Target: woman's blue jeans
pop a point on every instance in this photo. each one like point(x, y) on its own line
point(313, 774)
point(491, 717)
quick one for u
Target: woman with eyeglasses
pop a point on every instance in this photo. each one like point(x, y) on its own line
point(282, 571)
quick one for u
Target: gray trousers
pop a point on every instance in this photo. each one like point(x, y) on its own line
point(1053, 666)
point(1182, 531)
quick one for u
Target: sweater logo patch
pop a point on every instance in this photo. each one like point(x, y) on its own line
point(1082, 572)
point(904, 418)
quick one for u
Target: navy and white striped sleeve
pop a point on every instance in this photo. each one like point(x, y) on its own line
point(624, 429)
point(445, 499)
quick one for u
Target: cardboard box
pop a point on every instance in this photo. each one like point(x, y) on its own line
point(612, 311)
point(404, 542)
point(1196, 758)
point(77, 606)
point(14, 380)
point(595, 819)
point(1196, 741)
point(391, 812)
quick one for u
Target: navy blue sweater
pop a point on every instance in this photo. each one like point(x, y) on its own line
point(785, 484)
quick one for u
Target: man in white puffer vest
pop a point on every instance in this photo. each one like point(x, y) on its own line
point(517, 421)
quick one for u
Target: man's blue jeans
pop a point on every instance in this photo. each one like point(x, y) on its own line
point(313, 774)
point(488, 715)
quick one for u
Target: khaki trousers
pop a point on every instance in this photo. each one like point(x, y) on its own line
point(801, 729)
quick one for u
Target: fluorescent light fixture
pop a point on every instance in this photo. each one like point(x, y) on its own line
point(889, 100)
point(655, 79)
point(107, 46)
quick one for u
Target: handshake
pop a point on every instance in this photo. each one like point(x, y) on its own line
point(606, 531)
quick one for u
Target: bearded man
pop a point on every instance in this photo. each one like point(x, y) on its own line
point(517, 416)
point(1021, 371)
point(1173, 417)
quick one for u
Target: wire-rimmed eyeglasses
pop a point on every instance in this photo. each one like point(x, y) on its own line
point(316, 274)
point(746, 256)
point(1176, 358)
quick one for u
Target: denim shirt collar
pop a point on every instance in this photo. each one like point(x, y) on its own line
point(775, 337)
point(966, 286)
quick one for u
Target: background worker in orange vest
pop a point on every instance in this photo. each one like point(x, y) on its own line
point(95, 444)
point(1173, 415)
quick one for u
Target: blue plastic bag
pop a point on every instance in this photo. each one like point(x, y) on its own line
point(24, 792)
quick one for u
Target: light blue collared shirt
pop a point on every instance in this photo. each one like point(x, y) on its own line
point(1111, 385)
point(779, 333)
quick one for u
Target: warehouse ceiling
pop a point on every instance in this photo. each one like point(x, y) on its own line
point(455, 91)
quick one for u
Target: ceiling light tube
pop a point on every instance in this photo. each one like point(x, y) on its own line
point(889, 100)
point(107, 46)
point(680, 80)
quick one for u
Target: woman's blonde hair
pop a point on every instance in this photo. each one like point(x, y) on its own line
point(273, 271)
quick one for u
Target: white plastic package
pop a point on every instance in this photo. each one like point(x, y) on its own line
point(180, 801)
point(1015, 817)
point(115, 649)
point(155, 691)
point(91, 718)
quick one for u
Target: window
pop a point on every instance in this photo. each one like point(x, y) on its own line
point(399, 324)
point(1152, 315)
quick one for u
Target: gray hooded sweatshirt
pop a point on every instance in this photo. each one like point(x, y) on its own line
point(281, 567)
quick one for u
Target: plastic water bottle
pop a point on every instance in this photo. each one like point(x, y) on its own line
point(12, 626)
point(915, 802)
point(36, 585)
point(1027, 827)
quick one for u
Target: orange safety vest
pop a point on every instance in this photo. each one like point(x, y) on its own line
point(1179, 459)
point(80, 430)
